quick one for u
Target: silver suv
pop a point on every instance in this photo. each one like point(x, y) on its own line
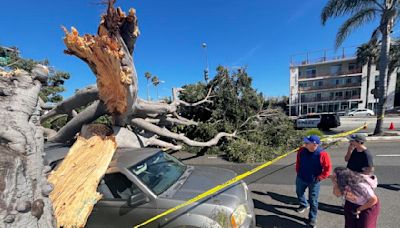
point(142, 183)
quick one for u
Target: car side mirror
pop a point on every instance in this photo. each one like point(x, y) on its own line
point(138, 199)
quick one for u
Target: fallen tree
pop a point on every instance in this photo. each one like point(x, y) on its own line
point(109, 54)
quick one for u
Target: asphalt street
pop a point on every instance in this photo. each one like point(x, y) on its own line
point(349, 123)
point(273, 188)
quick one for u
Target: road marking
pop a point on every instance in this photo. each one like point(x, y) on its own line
point(388, 155)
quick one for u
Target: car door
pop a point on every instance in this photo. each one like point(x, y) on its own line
point(359, 112)
point(113, 210)
point(308, 122)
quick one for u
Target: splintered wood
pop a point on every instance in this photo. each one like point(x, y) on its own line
point(76, 180)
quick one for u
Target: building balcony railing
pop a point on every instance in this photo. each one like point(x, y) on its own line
point(321, 99)
point(339, 73)
point(311, 88)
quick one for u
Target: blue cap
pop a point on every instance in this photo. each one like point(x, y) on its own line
point(312, 139)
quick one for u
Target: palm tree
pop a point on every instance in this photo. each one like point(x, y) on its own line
point(155, 82)
point(361, 12)
point(147, 75)
point(367, 55)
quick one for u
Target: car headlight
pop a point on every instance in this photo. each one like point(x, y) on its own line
point(238, 216)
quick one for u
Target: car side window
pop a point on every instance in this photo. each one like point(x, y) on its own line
point(117, 186)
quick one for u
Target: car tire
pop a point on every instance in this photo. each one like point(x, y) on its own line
point(369, 114)
point(351, 115)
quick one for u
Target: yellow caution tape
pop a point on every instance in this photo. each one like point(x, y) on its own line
point(236, 179)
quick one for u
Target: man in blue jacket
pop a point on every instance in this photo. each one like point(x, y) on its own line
point(313, 165)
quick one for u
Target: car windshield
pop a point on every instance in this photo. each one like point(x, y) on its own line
point(159, 172)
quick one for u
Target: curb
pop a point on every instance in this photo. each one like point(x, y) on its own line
point(377, 138)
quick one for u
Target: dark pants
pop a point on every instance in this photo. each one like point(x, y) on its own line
point(313, 193)
point(367, 218)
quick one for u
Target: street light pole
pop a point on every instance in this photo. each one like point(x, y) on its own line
point(204, 45)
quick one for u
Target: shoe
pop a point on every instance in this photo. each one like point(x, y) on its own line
point(301, 209)
point(313, 224)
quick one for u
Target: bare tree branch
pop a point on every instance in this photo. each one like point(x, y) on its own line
point(80, 98)
point(145, 108)
point(48, 133)
point(177, 101)
point(141, 123)
point(88, 115)
point(154, 141)
point(169, 121)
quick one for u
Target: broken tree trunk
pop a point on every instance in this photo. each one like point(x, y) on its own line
point(109, 54)
point(24, 189)
point(76, 180)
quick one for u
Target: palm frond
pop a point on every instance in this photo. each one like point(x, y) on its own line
point(337, 8)
point(367, 52)
point(375, 35)
point(353, 22)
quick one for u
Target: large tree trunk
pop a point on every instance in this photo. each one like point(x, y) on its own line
point(109, 56)
point(368, 78)
point(24, 189)
point(383, 72)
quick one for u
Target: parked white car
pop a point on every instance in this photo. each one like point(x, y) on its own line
point(361, 112)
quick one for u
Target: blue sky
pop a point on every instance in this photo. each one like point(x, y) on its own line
point(259, 34)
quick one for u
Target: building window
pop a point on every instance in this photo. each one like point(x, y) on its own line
point(348, 80)
point(311, 72)
point(303, 84)
point(335, 107)
point(352, 66)
point(339, 94)
point(348, 94)
point(357, 79)
point(319, 108)
point(336, 69)
point(356, 92)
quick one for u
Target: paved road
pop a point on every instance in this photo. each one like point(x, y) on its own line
point(274, 191)
point(349, 123)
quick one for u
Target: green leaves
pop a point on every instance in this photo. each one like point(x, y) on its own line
point(237, 106)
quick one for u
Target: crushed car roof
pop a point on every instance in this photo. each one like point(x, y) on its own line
point(123, 157)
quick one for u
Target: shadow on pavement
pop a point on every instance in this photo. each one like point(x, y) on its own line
point(393, 187)
point(276, 220)
point(293, 201)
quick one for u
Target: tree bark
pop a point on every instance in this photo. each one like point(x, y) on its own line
point(368, 79)
point(80, 98)
point(141, 123)
point(90, 114)
point(109, 55)
point(385, 28)
point(24, 189)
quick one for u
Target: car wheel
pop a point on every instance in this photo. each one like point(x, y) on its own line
point(351, 115)
point(369, 114)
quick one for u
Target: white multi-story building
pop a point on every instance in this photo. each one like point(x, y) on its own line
point(335, 85)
